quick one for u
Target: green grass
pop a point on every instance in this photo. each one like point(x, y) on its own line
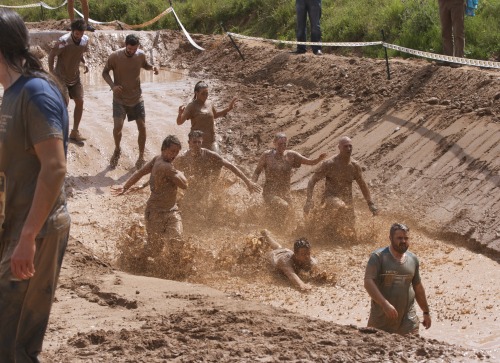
point(409, 23)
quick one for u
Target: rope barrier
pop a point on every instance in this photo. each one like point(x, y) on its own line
point(193, 43)
point(41, 3)
point(137, 26)
point(444, 58)
point(147, 23)
point(330, 44)
point(439, 57)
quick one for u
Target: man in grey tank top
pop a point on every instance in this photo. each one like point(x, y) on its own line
point(392, 280)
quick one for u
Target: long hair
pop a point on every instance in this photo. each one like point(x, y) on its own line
point(14, 47)
point(198, 86)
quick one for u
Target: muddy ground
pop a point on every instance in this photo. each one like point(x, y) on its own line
point(428, 139)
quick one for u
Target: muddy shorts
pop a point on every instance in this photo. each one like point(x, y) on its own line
point(25, 305)
point(136, 112)
point(164, 230)
point(75, 91)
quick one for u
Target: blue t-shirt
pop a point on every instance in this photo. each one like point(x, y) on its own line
point(33, 110)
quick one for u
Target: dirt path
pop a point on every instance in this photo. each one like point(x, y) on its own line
point(434, 166)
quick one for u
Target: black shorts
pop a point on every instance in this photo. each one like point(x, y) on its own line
point(136, 112)
point(75, 92)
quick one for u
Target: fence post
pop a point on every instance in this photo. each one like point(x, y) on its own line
point(232, 41)
point(386, 57)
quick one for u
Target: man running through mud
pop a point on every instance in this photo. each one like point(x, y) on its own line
point(289, 262)
point(69, 51)
point(163, 220)
point(277, 164)
point(126, 64)
point(199, 164)
point(337, 209)
point(392, 280)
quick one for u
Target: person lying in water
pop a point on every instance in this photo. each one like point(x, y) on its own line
point(289, 262)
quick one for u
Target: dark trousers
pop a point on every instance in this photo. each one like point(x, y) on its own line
point(313, 8)
point(451, 13)
point(25, 305)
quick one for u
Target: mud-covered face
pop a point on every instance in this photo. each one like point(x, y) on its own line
point(400, 241)
point(202, 94)
point(280, 144)
point(77, 35)
point(195, 144)
point(345, 147)
point(131, 49)
point(170, 153)
point(302, 256)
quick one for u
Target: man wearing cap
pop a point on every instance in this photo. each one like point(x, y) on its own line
point(392, 280)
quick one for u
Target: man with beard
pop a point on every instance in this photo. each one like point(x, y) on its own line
point(337, 203)
point(392, 280)
point(163, 220)
point(69, 51)
point(126, 64)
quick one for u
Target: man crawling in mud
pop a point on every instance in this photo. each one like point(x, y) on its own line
point(277, 165)
point(337, 209)
point(163, 220)
point(201, 166)
point(289, 262)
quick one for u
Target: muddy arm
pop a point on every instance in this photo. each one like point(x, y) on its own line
point(50, 153)
point(376, 295)
point(422, 302)
point(250, 185)
point(225, 111)
point(260, 166)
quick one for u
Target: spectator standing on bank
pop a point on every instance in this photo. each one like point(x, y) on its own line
point(85, 11)
point(311, 8)
point(451, 14)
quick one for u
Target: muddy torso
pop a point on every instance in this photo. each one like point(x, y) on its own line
point(69, 56)
point(339, 177)
point(163, 189)
point(202, 119)
point(278, 172)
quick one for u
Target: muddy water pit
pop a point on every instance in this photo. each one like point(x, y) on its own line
point(461, 285)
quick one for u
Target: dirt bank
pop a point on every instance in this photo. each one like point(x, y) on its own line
point(428, 139)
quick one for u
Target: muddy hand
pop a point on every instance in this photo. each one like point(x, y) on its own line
point(254, 187)
point(21, 262)
point(390, 311)
point(117, 90)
